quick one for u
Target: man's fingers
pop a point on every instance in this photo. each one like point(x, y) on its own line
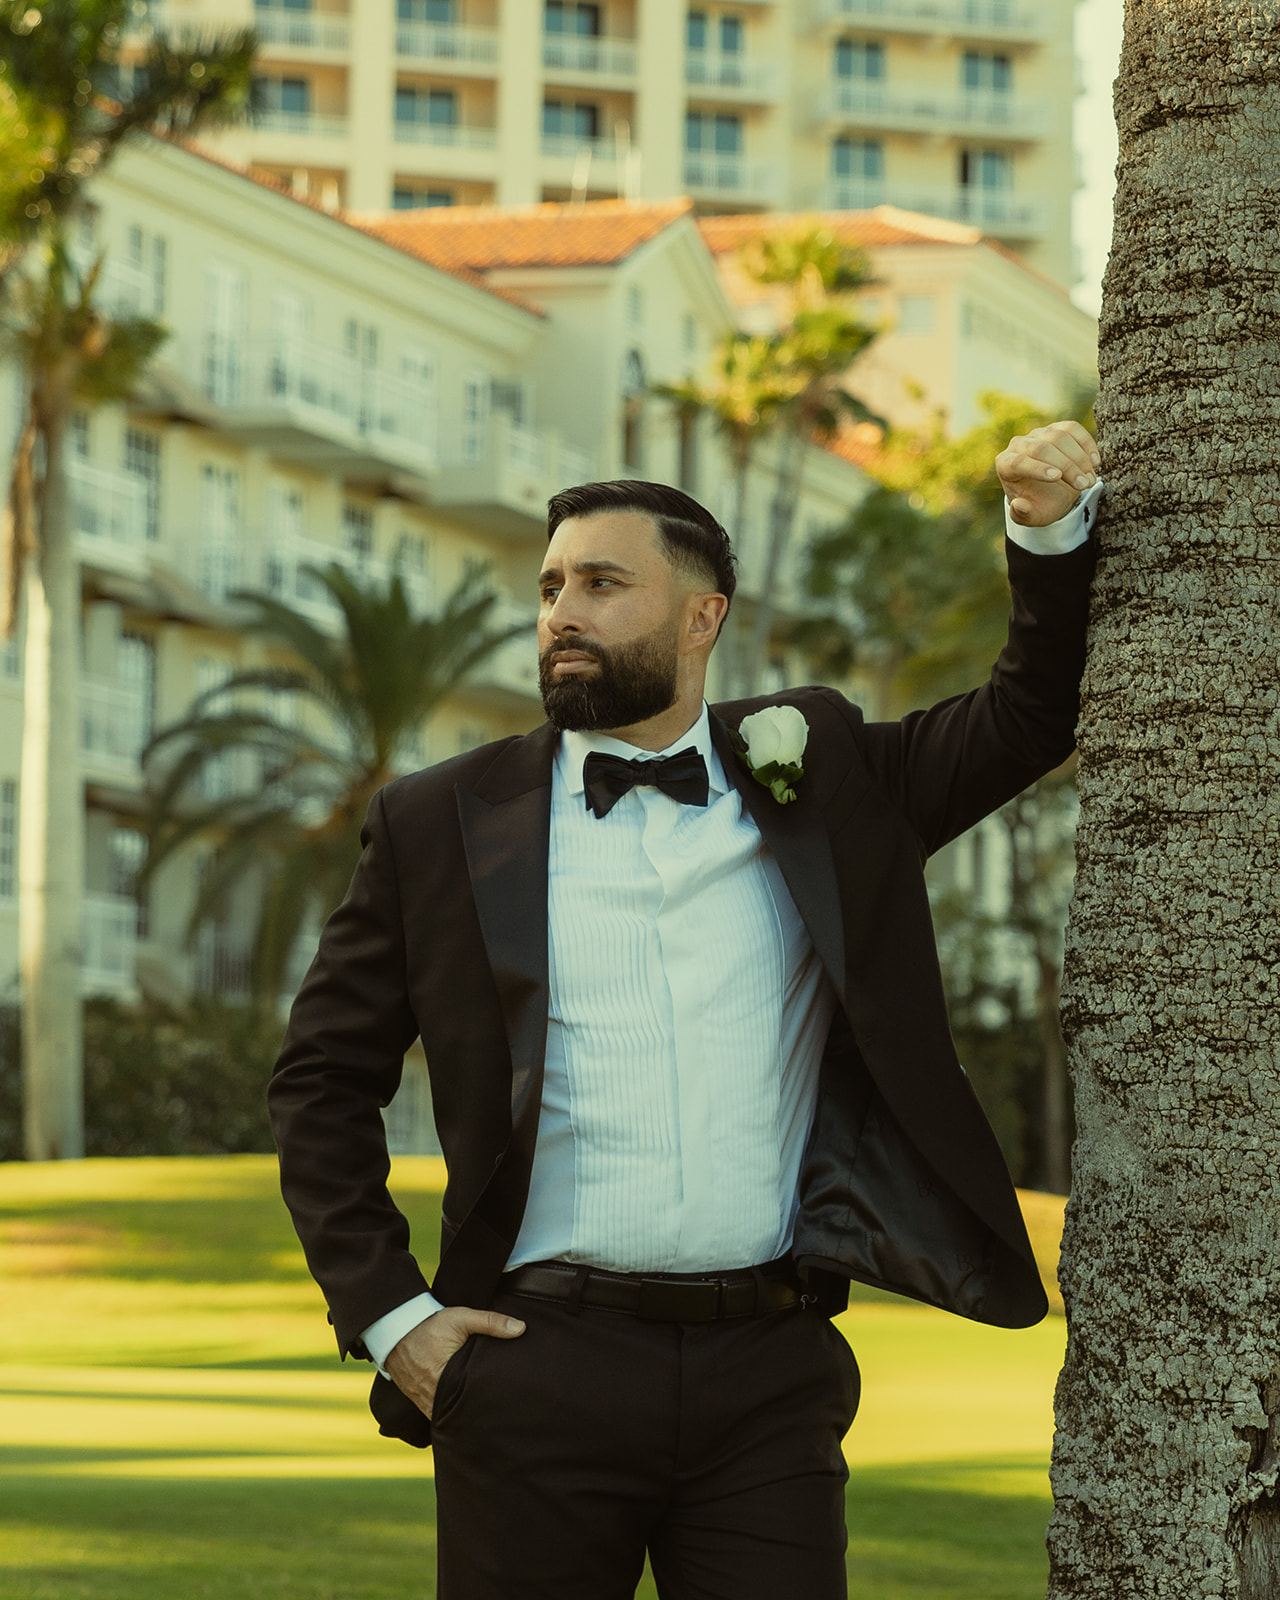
point(492, 1323)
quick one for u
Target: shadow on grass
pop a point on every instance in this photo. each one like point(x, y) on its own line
point(916, 1533)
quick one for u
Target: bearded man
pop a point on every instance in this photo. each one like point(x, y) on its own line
point(689, 1061)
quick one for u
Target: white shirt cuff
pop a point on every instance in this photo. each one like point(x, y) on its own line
point(382, 1336)
point(1066, 534)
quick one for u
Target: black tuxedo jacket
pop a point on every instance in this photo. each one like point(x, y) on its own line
point(443, 933)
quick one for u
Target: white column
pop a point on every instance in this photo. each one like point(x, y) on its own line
point(371, 79)
point(660, 98)
point(519, 103)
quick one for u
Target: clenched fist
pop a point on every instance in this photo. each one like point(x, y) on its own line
point(1043, 473)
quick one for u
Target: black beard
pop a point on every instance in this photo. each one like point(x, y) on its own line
point(636, 681)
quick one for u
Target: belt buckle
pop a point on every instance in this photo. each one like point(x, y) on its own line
point(663, 1301)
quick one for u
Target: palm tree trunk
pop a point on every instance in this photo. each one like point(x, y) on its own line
point(729, 645)
point(782, 516)
point(51, 820)
point(1168, 1408)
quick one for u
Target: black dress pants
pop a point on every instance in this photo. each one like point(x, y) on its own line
point(563, 1455)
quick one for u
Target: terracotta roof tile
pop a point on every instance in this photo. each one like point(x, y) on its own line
point(555, 234)
point(884, 225)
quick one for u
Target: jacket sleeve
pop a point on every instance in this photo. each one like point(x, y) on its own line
point(950, 766)
point(340, 1064)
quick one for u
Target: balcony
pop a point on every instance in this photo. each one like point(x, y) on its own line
point(510, 674)
point(876, 105)
point(314, 403)
point(594, 58)
point(301, 30)
point(500, 479)
point(125, 289)
point(1003, 213)
point(729, 177)
point(732, 77)
point(1001, 20)
point(108, 515)
point(115, 724)
point(443, 42)
point(569, 147)
point(279, 564)
point(449, 135)
point(306, 124)
point(109, 953)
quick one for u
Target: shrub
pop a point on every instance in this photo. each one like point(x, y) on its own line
point(161, 1080)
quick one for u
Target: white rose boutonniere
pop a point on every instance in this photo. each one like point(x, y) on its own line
point(771, 743)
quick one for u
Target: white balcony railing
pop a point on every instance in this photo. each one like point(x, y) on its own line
point(513, 666)
point(108, 512)
point(562, 52)
point(425, 41)
point(1004, 212)
point(883, 106)
point(501, 476)
point(115, 724)
point(450, 135)
point(727, 174)
point(706, 68)
point(109, 953)
point(301, 30)
point(567, 146)
point(325, 391)
point(996, 19)
point(125, 288)
point(311, 124)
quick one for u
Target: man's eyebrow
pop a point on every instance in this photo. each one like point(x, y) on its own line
point(586, 568)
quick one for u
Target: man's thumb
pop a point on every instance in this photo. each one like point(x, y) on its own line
point(498, 1326)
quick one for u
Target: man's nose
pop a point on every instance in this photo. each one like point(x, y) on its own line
point(561, 619)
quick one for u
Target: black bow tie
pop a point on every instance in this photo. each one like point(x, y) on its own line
point(607, 778)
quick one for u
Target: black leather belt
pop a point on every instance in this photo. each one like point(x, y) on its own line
point(661, 1297)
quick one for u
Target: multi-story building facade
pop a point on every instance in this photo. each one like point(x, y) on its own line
point(960, 109)
point(331, 395)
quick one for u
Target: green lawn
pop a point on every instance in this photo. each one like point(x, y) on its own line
point(174, 1423)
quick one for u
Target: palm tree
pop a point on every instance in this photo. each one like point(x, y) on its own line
point(64, 89)
point(820, 339)
point(743, 397)
point(353, 704)
point(1168, 1408)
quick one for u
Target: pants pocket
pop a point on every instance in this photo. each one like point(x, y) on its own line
point(453, 1380)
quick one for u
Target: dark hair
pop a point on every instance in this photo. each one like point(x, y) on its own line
point(692, 540)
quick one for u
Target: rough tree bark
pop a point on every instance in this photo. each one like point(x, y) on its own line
point(51, 811)
point(1166, 1460)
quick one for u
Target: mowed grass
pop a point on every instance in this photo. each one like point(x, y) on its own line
point(175, 1424)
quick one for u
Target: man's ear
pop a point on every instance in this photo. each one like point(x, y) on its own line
point(706, 614)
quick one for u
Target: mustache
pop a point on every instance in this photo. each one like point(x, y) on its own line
point(554, 651)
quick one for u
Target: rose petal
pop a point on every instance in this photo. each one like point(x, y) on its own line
point(793, 733)
point(762, 736)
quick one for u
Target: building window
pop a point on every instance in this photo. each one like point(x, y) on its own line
point(444, 11)
point(291, 95)
point(8, 838)
point(78, 434)
point(986, 169)
point(857, 158)
point(224, 289)
point(572, 16)
point(476, 389)
point(127, 851)
point(689, 334)
point(634, 385)
point(978, 70)
point(635, 305)
point(713, 131)
point(357, 530)
point(136, 670)
point(564, 119)
point(420, 199)
point(860, 58)
point(286, 5)
point(439, 107)
point(915, 313)
point(142, 458)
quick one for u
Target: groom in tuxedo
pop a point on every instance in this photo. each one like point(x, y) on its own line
point(690, 1067)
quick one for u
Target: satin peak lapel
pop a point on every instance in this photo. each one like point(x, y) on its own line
point(798, 840)
point(506, 821)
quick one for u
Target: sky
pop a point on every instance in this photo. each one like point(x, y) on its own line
point(1099, 27)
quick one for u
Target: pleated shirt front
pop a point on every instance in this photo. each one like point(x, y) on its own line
point(688, 1013)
